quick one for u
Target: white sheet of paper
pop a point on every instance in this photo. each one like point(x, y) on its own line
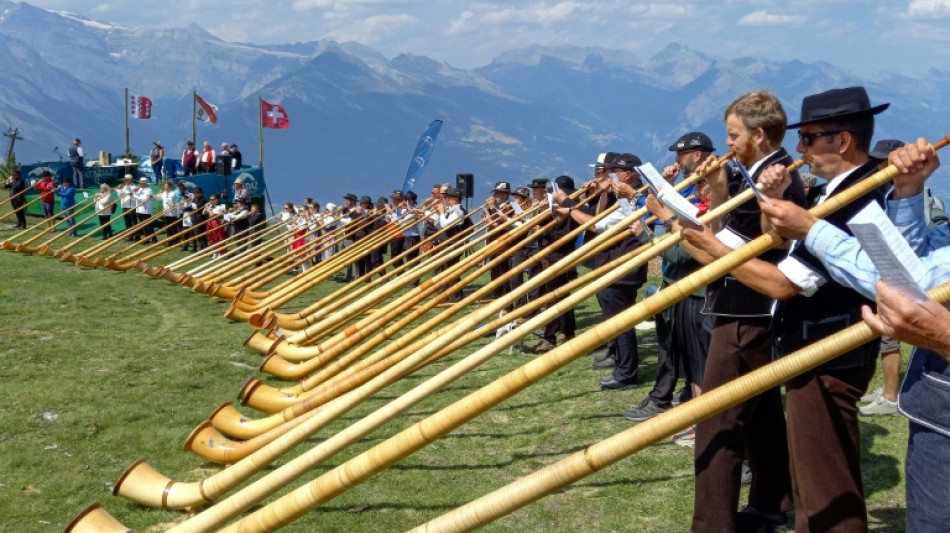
point(667, 195)
point(85, 194)
point(551, 201)
point(653, 178)
point(895, 260)
point(681, 206)
point(517, 208)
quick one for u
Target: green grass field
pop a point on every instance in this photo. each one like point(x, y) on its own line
point(100, 368)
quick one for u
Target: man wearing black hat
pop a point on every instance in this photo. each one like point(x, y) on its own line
point(450, 215)
point(499, 211)
point(823, 433)
point(397, 215)
point(741, 339)
point(691, 150)
point(684, 340)
point(565, 324)
point(622, 294)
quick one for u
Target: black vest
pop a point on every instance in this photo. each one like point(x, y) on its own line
point(634, 279)
point(727, 296)
point(801, 320)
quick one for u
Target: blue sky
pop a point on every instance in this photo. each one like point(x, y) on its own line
point(864, 36)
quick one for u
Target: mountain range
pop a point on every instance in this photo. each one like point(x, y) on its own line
point(356, 115)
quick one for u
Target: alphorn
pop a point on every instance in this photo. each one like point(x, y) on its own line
point(356, 470)
point(13, 211)
point(602, 454)
point(24, 246)
point(269, 318)
point(44, 249)
point(606, 269)
point(13, 197)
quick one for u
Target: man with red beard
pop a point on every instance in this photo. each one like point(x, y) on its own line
point(742, 342)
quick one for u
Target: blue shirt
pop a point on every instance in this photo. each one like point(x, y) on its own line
point(67, 197)
point(849, 265)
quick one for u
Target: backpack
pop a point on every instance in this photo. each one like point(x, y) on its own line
point(934, 210)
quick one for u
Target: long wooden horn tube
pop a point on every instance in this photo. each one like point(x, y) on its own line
point(313, 276)
point(299, 320)
point(356, 470)
point(280, 477)
point(118, 487)
point(13, 212)
point(316, 330)
point(600, 455)
point(148, 484)
point(333, 320)
point(266, 318)
point(22, 246)
point(353, 334)
point(44, 246)
point(12, 197)
point(85, 257)
point(376, 322)
point(60, 252)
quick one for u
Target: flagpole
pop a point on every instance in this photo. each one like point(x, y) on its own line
point(260, 128)
point(126, 107)
point(194, 112)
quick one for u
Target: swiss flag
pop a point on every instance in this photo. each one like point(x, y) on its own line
point(273, 116)
point(140, 106)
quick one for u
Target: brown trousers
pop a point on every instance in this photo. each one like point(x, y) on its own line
point(825, 448)
point(753, 430)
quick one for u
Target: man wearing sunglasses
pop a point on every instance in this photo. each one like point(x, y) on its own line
point(823, 438)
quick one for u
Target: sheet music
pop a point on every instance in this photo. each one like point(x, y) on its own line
point(895, 260)
point(516, 208)
point(748, 179)
point(669, 196)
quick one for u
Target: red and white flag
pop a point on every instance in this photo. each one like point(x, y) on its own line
point(140, 106)
point(273, 116)
point(205, 111)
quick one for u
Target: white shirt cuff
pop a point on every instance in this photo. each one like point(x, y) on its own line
point(801, 275)
point(730, 238)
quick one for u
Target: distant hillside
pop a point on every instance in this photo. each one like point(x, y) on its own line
point(356, 115)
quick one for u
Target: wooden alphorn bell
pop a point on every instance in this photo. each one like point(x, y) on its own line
point(328, 409)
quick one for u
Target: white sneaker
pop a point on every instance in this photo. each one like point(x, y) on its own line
point(873, 395)
point(880, 406)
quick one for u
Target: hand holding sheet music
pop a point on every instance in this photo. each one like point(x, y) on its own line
point(668, 196)
point(895, 260)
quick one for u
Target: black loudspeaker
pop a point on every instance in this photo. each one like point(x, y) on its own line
point(466, 184)
point(223, 165)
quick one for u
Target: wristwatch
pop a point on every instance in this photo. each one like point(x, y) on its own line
point(668, 223)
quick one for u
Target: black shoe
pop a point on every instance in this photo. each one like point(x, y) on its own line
point(613, 384)
point(599, 353)
point(752, 520)
point(647, 409)
point(604, 363)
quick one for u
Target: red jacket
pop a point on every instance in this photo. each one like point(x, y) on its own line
point(47, 190)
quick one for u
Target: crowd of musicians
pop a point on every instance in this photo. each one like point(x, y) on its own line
point(800, 453)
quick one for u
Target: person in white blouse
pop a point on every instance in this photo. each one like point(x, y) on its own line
point(143, 197)
point(171, 204)
point(126, 193)
point(103, 198)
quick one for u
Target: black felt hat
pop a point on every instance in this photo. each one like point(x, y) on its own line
point(624, 161)
point(835, 104)
point(539, 183)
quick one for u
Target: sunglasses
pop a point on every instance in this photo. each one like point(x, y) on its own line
point(808, 138)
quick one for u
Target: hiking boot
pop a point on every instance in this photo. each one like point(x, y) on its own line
point(880, 406)
point(752, 520)
point(542, 347)
point(647, 409)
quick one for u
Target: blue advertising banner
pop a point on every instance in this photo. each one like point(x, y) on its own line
point(421, 156)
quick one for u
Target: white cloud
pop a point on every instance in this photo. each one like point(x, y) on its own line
point(372, 29)
point(764, 18)
point(926, 9)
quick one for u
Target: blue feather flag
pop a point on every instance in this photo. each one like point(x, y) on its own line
point(421, 156)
